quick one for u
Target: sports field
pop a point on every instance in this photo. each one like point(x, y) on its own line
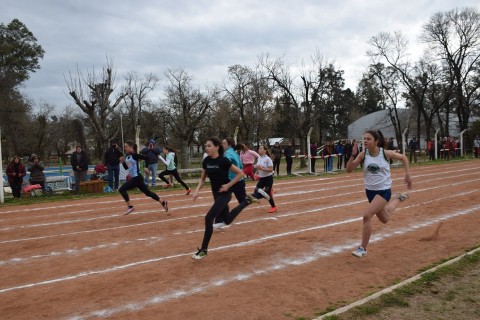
point(84, 259)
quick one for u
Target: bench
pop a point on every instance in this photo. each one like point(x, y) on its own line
point(59, 183)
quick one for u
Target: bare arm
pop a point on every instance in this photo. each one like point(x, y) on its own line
point(398, 156)
point(239, 175)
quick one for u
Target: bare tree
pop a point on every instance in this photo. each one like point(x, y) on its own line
point(300, 92)
point(186, 107)
point(92, 95)
point(137, 90)
point(454, 38)
point(251, 96)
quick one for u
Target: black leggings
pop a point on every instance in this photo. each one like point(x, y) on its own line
point(220, 207)
point(137, 182)
point(175, 174)
point(265, 183)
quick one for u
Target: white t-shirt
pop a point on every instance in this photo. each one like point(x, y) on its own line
point(377, 171)
point(264, 161)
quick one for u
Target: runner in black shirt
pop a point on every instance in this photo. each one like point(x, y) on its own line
point(216, 167)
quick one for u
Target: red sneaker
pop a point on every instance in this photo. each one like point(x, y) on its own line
point(188, 192)
point(272, 209)
point(168, 185)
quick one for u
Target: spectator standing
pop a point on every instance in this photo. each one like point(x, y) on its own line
point(277, 156)
point(476, 146)
point(431, 149)
point(347, 151)
point(326, 154)
point(313, 155)
point(289, 153)
point(79, 162)
point(413, 147)
point(36, 168)
point(15, 172)
point(339, 151)
point(151, 153)
point(390, 146)
point(112, 161)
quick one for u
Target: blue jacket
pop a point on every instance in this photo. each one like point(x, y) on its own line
point(234, 158)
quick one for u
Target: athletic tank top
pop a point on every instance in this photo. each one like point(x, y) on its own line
point(377, 171)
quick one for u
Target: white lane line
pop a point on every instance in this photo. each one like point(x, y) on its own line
point(17, 260)
point(305, 258)
point(189, 217)
point(331, 180)
point(241, 244)
point(277, 195)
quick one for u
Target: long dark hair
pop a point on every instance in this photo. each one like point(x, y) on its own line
point(132, 144)
point(230, 141)
point(217, 143)
point(378, 136)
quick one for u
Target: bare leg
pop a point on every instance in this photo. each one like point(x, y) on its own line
point(376, 206)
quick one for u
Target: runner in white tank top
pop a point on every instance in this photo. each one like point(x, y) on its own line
point(377, 182)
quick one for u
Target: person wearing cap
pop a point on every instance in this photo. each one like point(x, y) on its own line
point(112, 161)
point(151, 152)
point(36, 171)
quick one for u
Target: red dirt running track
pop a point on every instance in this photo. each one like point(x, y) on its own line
point(83, 259)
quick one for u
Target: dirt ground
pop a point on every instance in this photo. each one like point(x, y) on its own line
point(84, 259)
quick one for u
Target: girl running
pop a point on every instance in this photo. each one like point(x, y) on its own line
point(265, 172)
point(169, 161)
point(130, 163)
point(376, 167)
point(248, 159)
point(216, 167)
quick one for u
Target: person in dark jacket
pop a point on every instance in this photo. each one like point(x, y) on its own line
point(112, 161)
point(289, 153)
point(15, 173)
point(36, 171)
point(151, 153)
point(79, 162)
point(277, 156)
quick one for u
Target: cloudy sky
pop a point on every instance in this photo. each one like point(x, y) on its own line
point(207, 36)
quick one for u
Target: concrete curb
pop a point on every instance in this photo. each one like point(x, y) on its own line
point(390, 289)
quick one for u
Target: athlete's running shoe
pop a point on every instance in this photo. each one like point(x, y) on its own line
point(165, 205)
point(251, 199)
point(264, 194)
point(201, 253)
point(402, 196)
point(360, 252)
point(129, 210)
point(188, 192)
point(219, 225)
point(168, 185)
point(272, 209)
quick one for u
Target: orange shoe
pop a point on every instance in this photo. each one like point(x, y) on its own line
point(272, 209)
point(188, 192)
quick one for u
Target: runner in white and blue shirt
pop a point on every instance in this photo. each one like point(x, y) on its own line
point(134, 178)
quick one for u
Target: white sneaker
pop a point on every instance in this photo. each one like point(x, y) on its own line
point(129, 210)
point(360, 252)
point(200, 254)
point(219, 225)
point(402, 196)
point(264, 194)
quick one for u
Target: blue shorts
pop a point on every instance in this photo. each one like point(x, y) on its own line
point(385, 194)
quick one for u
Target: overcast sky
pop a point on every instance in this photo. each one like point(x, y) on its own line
point(207, 36)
